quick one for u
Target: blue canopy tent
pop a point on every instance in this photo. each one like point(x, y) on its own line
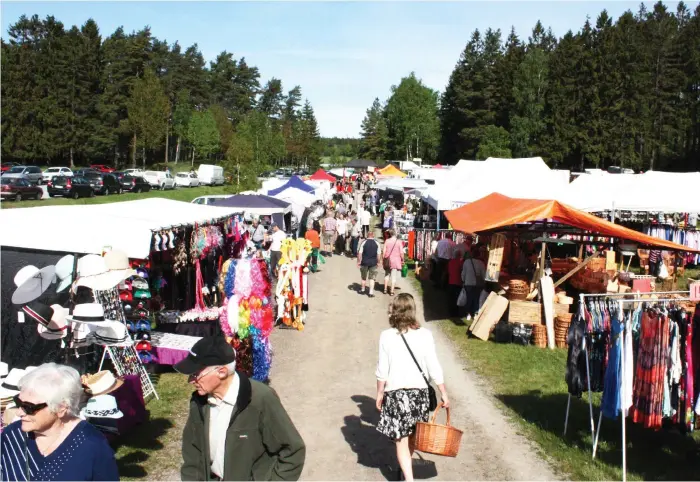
point(294, 182)
point(262, 206)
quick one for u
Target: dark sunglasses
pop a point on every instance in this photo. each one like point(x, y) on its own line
point(28, 408)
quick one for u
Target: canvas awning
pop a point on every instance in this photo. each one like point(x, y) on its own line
point(258, 204)
point(294, 182)
point(391, 171)
point(322, 175)
point(497, 211)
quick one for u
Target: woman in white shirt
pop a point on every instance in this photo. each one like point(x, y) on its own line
point(341, 227)
point(402, 394)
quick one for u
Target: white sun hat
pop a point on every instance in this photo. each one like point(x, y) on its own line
point(94, 274)
point(31, 283)
point(101, 406)
point(8, 387)
point(64, 272)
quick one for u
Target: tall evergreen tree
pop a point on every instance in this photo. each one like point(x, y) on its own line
point(374, 133)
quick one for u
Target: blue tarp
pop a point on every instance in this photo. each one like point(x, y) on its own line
point(294, 182)
point(252, 201)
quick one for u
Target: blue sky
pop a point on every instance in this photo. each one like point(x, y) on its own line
point(342, 54)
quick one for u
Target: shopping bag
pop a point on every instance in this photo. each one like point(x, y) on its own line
point(462, 298)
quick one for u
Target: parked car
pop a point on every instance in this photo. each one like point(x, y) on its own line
point(32, 173)
point(102, 168)
point(159, 179)
point(210, 175)
point(186, 179)
point(85, 172)
point(134, 172)
point(52, 172)
point(210, 199)
point(104, 183)
point(134, 184)
point(5, 166)
point(18, 188)
point(75, 187)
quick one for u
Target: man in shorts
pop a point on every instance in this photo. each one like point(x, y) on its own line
point(368, 260)
point(329, 229)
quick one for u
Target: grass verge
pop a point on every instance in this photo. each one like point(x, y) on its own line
point(529, 384)
point(178, 194)
point(152, 451)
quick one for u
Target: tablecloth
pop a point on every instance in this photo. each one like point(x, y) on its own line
point(169, 348)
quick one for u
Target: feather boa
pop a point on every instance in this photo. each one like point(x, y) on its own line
point(243, 319)
point(244, 283)
point(230, 282)
point(262, 356)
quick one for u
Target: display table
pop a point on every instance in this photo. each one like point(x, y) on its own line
point(170, 348)
point(192, 328)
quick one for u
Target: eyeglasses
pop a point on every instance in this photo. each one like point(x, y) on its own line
point(196, 377)
point(28, 408)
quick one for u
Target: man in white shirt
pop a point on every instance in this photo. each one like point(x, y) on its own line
point(473, 278)
point(443, 253)
point(250, 435)
point(277, 237)
point(365, 218)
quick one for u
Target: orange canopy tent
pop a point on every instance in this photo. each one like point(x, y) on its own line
point(322, 175)
point(391, 170)
point(498, 211)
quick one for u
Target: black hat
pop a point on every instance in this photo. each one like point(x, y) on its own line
point(39, 312)
point(208, 352)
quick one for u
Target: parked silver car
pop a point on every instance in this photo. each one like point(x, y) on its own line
point(31, 173)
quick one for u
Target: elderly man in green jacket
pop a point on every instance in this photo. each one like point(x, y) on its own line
point(237, 428)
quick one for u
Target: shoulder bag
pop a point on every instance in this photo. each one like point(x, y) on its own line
point(432, 397)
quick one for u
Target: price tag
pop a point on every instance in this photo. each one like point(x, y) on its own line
point(695, 291)
point(20, 317)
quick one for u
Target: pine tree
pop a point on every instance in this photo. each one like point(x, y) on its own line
point(310, 137)
point(374, 133)
point(203, 134)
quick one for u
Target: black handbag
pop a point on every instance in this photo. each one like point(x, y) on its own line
point(432, 397)
point(386, 264)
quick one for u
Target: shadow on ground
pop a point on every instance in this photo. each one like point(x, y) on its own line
point(140, 442)
point(653, 455)
point(375, 450)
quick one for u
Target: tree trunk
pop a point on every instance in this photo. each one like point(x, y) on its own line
point(192, 157)
point(177, 149)
point(238, 174)
point(143, 156)
point(72, 164)
point(167, 141)
point(133, 152)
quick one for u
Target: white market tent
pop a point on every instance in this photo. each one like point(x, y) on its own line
point(635, 192)
point(402, 184)
point(296, 196)
point(126, 226)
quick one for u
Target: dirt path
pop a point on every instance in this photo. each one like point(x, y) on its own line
point(325, 377)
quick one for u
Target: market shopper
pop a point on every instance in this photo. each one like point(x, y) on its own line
point(473, 278)
point(365, 219)
point(313, 237)
point(368, 262)
point(402, 394)
point(355, 231)
point(341, 229)
point(276, 238)
point(329, 229)
point(257, 234)
point(392, 257)
point(237, 428)
point(50, 441)
point(454, 279)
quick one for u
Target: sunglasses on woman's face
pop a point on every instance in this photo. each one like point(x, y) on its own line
point(28, 408)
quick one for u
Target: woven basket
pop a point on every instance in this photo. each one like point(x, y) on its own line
point(518, 290)
point(433, 438)
point(539, 335)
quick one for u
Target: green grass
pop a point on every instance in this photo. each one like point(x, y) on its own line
point(152, 451)
point(529, 384)
point(179, 194)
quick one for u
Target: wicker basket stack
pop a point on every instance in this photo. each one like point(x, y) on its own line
point(518, 290)
point(539, 335)
point(561, 328)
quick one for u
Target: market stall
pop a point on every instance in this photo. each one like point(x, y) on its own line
point(294, 182)
point(267, 208)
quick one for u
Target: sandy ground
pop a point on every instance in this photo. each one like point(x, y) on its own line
point(325, 378)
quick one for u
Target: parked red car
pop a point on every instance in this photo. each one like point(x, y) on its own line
point(6, 166)
point(104, 168)
point(18, 189)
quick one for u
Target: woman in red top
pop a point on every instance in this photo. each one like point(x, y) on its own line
point(454, 276)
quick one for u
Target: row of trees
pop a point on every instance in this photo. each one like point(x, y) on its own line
point(623, 93)
point(69, 96)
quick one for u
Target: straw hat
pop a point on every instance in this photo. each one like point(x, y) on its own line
point(94, 274)
point(118, 265)
point(31, 283)
point(102, 383)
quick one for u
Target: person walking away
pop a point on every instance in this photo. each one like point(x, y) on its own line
point(257, 233)
point(237, 428)
point(341, 228)
point(368, 261)
point(276, 237)
point(454, 279)
point(382, 209)
point(355, 232)
point(313, 237)
point(407, 357)
point(50, 441)
point(388, 222)
point(443, 252)
point(392, 257)
point(473, 277)
point(328, 233)
point(366, 219)
point(373, 201)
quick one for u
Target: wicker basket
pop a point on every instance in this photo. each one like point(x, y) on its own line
point(433, 438)
point(539, 335)
point(518, 290)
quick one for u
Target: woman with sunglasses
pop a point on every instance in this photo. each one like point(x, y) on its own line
point(49, 441)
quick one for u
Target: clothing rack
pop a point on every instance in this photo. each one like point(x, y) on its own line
point(637, 299)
